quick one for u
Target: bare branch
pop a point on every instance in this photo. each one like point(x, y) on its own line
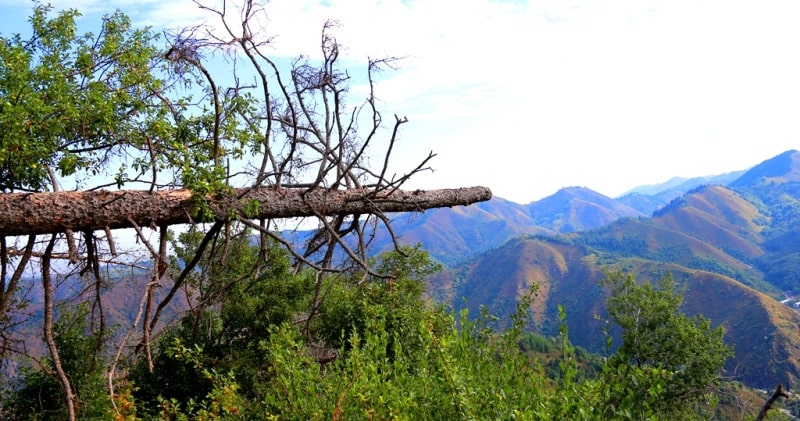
point(779, 393)
point(48, 330)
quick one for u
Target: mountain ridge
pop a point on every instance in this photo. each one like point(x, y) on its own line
point(570, 209)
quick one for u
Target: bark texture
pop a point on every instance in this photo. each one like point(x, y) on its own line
point(54, 212)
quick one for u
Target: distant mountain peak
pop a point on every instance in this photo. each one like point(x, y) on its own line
point(652, 189)
point(581, 190)
point(677, 186)
point(778, 169)
point(577, 208)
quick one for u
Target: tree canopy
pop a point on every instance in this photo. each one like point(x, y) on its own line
point(656, 335)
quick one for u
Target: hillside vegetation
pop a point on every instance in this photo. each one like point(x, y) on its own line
point(732, 250)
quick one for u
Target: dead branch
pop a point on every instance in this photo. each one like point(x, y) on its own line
point(55, 212)
point(779, 393)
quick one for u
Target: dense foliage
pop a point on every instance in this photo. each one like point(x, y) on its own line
point(377, 349)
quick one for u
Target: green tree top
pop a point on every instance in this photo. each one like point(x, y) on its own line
point(69, 102)
point(656, 334)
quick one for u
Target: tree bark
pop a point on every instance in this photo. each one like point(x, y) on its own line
point(69, 395)
point(54, 212)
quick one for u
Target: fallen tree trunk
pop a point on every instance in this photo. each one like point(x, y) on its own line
point(54, 212)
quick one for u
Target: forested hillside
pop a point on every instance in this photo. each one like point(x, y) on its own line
point(730, 249)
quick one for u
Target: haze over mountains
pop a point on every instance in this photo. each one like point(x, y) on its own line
point(731, 241)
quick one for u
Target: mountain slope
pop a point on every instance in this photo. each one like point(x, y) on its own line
point(779, 169)
point(453, 234)
point(718, 216)
point(755, 323)
point(578, 208)
point(682, 185)
point(715, 241)
point(648, 199)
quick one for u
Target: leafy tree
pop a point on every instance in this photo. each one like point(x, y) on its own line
point(239, 305)
point(378, 347)
point(67, 99)
point(663, 352)
point(350, 302)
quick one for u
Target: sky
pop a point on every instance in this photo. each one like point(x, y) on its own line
point(527, 97)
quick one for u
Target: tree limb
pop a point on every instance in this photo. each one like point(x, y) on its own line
point(55, 212)
point(779, 392)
